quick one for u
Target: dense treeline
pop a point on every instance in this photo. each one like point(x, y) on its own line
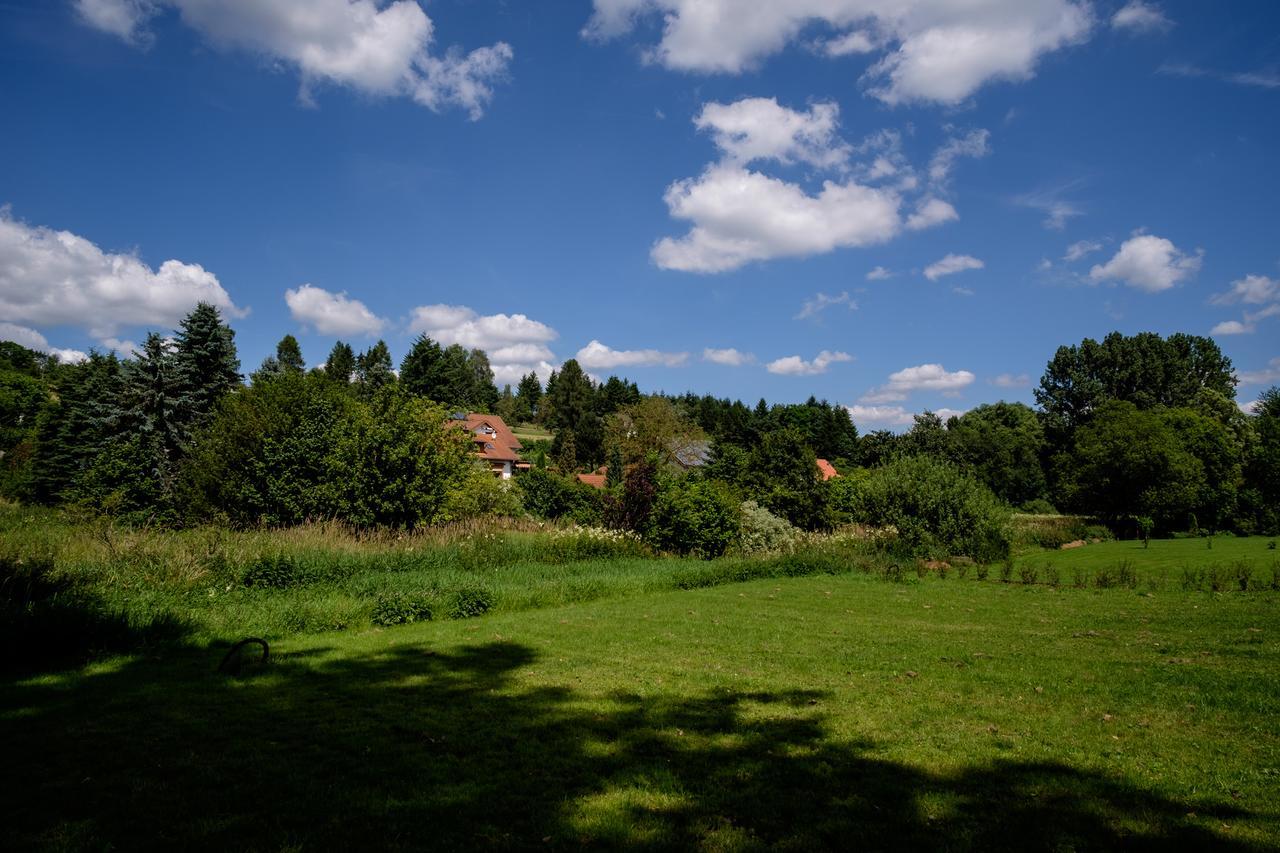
point(1141, 431)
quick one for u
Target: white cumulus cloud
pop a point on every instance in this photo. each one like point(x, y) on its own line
point(950, 265)
point(883, 416)
point(879, 274)
point(375, 47)
point(331, 313)
point(794, 365)
point(1251, 290)
point(930, 50)
point(33, 340)
point(1148, 263)
point(596, 355)
point(924, 377)
point(50, 277)
point(739, 216)
point(515, 343)
point(729, 357)
point(931, 212)
point(754, 129)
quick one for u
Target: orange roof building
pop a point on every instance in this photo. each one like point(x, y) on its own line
point(493, 442)
point(597, 479)
point(827, 470)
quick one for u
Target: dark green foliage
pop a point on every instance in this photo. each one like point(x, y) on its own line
point(341, 364)
point(474, 598)
point(546, 494)
point(615, 468)
point(528, 398)
point(694, 517)
point(289, 355)
point(459, 380)
point(615, 394)
point(631, 510)
point(570, 405)
point(205, 361)
point(1002, 444)
point(1131, 462)
point(1145, 370)
point(782, 476)
point(150, 433)
point(936, 508)
point(288, 359)
point(276, 571)
point(299, 448)
point(401, 608)
point(1260, 497)
point(420, 368)
point(75, 427)
point(373, 369)
point(265, 459)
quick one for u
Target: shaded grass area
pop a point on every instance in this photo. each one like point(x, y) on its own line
point(71, 592)
point(828, 712)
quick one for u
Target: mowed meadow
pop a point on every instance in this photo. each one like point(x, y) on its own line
point(536, 687)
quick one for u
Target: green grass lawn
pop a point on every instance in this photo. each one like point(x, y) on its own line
point(822, 712)
point(1168, 563)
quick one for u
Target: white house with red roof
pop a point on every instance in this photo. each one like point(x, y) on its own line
point(493, 442)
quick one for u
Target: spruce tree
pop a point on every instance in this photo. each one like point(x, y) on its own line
point(72, 431)
point(340, 364)
point(289, 355)
point(420, 368)
point(483, 394)
point(528, 398)
point(373, 367)
point(156, 409)
point(205, 363)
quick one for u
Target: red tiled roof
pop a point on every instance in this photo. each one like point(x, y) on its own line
point(491, 438)
point(827, 470)
point(502, 432)
point(597, 480)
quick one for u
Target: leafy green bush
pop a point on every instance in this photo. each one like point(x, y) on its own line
point(400, 608)
point(276, 571)
point(548, 495)
point(1039, 506)
point(481, 494)
point(936, 508)
point(765, 533)
point(473, 598)
point(695, 517)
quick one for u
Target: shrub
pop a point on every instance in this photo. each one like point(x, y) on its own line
point(937, 509)
point(275, 571)
point(1028, 573)
point(695, 517)
point(765, 533)
point(549, 495)
point(1039, 506)
point(398, 608)
point(481, 494)
point(473, 598)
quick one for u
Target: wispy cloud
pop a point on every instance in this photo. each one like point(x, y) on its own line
point(819, 302)
point(1263, 78)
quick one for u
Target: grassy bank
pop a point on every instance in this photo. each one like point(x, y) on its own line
point(830, 712)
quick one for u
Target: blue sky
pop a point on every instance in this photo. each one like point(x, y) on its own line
point(693, 202)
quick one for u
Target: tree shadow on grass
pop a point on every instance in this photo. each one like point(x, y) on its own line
point(410, 748)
